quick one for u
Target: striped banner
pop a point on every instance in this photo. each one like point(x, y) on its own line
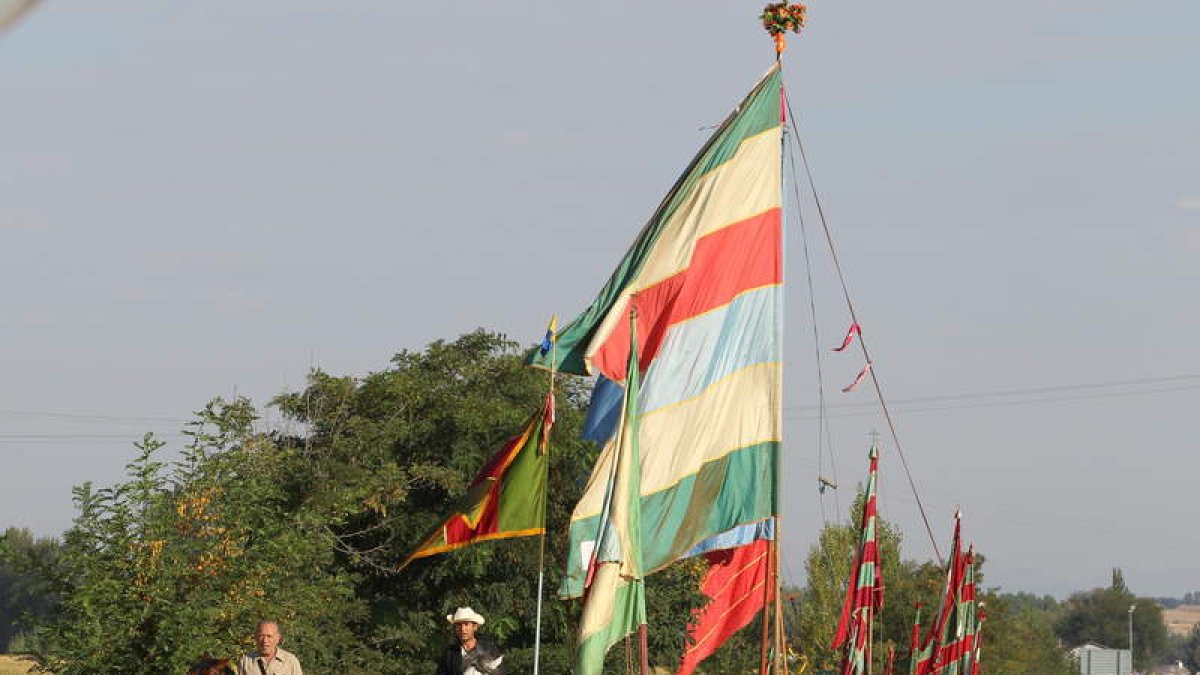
point(705, 278)
point(864, 593)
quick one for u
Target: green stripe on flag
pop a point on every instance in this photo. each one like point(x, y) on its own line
point(706, 502)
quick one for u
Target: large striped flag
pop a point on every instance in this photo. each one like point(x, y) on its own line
point(615, 604)
point(506, 499)
point(864, 594)
point(705, 277)
point(11, 11)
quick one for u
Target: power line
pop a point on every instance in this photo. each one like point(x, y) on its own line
point(1005, 393)
point(86, 417)
point(998, 404)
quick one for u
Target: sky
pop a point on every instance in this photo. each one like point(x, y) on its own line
point(204, 199)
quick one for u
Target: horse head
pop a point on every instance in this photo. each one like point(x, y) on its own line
point(211, 666)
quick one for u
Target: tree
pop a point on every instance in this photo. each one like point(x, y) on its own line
point(308, 525)
point(182, 560)
point(1018, 636)
point(1018, 633)
point(388, 456)
point(24, 599)
point(828, 567)
point(1101, 616)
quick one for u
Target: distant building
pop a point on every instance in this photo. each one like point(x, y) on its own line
point(1100, 660)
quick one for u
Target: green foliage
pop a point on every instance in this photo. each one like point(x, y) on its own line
point(24, 598)
point(1018, 637)
point(183, 559)
point(1018, 633)
point(828, 568)
point(309, 526)
point(1184, 649)
point(1101, 616)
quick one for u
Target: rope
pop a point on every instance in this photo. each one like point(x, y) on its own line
point(862, 343)
point(824, 439)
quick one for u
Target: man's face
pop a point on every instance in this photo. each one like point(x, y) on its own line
point(267, 639)
point(465, 631)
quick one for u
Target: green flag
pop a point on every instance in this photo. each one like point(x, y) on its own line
point(615, 598)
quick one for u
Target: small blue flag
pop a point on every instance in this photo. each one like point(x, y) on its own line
point(548, 340)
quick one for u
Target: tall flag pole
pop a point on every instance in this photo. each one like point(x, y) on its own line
point(615, 602)
point(864, 594)
point(506, 499)
point(548, 345)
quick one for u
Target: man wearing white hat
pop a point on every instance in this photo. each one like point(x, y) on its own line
point(470, 655)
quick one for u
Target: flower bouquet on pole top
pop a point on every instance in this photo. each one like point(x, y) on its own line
point(780, 17)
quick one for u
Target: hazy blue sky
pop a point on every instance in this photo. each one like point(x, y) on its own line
point(204, 197)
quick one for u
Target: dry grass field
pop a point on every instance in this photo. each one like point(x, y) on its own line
point(1181, 619)
point(13, 666)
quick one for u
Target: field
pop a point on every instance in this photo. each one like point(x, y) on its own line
point(1181, 619)
point(13, 666)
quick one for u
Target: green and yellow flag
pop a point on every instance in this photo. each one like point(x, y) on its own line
point(506, 499)
point(614, 602)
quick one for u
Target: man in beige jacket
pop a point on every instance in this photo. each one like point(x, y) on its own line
point(270, 659)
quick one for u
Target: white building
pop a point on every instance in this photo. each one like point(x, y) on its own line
point(1099, 660)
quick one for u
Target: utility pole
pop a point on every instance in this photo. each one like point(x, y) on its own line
point(1132, 608)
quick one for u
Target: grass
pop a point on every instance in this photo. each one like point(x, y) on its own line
point(10, 665)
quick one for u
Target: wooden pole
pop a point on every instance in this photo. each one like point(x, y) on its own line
point(781, 666)
point(644, 648)
point(765, 636)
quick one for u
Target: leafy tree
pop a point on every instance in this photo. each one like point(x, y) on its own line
point(389, 455)
point(308, 526)
point(24, 598)
point(1018, 637)
point(1018, 632)
point(182, 560)
point(828, 567)
point(1184, 649)
point(1101, 616)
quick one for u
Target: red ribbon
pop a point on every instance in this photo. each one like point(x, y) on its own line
point(858, 380)
point(854, 330)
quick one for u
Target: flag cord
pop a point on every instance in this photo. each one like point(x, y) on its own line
point(862, 343)
point(824, 438)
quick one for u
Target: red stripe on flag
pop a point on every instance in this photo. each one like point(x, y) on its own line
point(734, 584)
point(726, 263)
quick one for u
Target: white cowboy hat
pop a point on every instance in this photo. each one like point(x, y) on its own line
point(463, 614)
